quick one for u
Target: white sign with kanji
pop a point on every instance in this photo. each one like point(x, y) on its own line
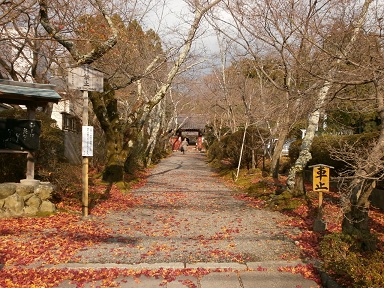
point(87, 143)
point(85, 78)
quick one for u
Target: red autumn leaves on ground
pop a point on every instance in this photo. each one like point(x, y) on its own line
point(28, 244)
point(19, 278)
point(52, 240)
point(38, 242)
point(303, 218)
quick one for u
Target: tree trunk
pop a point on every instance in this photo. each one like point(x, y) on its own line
point(155, 124)
point(117, 152)
point(241, 152)
point(356, 218)
point(117, 148)
point(283, 133)
point(254, 158)
point(305, 155)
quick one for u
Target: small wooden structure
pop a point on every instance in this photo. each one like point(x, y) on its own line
point(191, 127)
point(31, 95)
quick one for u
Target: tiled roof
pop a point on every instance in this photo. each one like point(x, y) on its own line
point(192, 122)
point(14, 92)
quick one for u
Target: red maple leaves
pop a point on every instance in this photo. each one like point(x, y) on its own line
point(28, 244)
point(17, 277)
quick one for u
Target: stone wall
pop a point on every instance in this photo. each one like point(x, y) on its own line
point(18, 199)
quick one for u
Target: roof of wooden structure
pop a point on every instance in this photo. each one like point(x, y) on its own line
point(22, 93)
point(192, 122)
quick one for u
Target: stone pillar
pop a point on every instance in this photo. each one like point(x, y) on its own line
point(30, 175)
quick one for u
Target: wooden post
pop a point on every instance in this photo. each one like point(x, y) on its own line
point(85, 159)
point(320, 199)
point(85, 79)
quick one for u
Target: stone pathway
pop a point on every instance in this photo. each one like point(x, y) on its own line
point(190, 230)
point(188, 215)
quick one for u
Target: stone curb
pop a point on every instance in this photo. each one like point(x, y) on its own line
point(268, 265)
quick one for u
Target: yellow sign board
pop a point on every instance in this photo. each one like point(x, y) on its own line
point(321, 178)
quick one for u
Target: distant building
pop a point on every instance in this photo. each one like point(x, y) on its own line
point(192, 127)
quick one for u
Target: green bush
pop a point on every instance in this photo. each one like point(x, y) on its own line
point(210, 137)
point(51, 149)
point(261, 190)
point(229, 147)
point(322, 146)
point(343, 259)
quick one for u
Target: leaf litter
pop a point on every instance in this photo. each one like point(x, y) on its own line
point(186, 216)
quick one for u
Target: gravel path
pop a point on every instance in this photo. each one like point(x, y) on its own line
point(188, 215)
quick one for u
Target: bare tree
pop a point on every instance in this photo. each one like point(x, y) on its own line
point(121, 134)
point(11, 10)
point(57, 34)
point(296, 34)
point(320, 51)
point(366, 167)
point(264, 32)
point(295, 178)
point(25, 55)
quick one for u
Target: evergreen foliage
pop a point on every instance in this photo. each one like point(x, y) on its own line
point(51, 150)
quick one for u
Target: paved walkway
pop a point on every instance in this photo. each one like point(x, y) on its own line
point(190, 221)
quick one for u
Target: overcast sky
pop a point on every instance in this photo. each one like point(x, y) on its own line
point(172, 20)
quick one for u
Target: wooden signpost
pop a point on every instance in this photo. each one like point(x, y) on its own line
point(320, 184)
point(86, 79)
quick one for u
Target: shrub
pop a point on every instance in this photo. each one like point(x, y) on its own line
point(229, 147)
point(51, 149)
point(216, 151)
point(343, 259)
point(322, 145)
point(13, 167)
point(67, 179)
point(261, 190)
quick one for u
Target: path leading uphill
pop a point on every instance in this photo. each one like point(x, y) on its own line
point(188, 220)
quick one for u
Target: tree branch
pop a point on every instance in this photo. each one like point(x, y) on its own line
point(93, 55)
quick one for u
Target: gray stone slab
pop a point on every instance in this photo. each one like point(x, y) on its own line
point(142, 282)
point(272, 265)
point(150, 266)
point(212, 265)
point(252, 279)
point(121, 282)
point(154, 266)
point(220, 280)
point(184, 281)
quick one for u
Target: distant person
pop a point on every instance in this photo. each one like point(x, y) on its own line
point(184, 145)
